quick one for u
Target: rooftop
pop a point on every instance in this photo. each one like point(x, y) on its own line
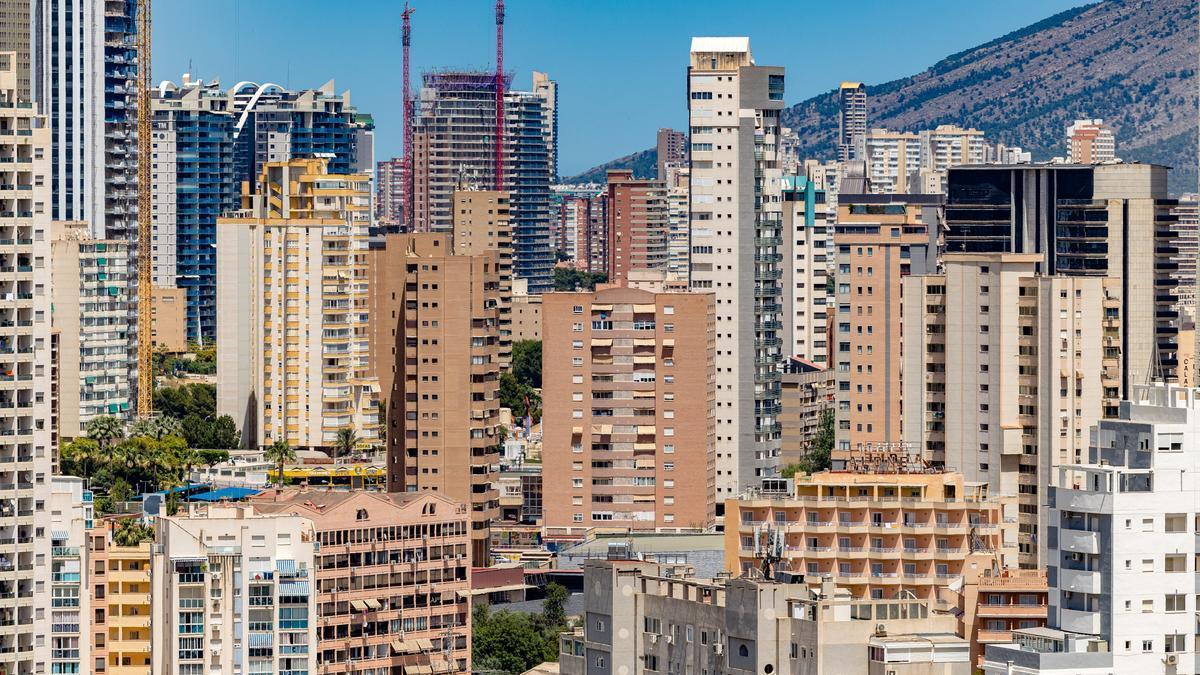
point(720, 44)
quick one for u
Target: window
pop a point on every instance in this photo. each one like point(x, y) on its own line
point(1174, 643)
point(1176, 602)
point(1176, 522)
point(1147, 606)
point(651, 662)
point(1176, 562)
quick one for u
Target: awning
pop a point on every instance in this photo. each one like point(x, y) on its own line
point(601, 342)
point(646, 430)
point(372, 603)
point(643, 446)
point(668, 342)
point(645, 359)
point(224, 494)
point(404, 647)
point(284, 566)
point(61, 535)
point(577, 430)
point(261, 639)
point(602, 428)
point(601, 308)
point(643, 464)
point(418, 670)
point(358, 605)
point(425, 644)
point(293, 589)
point(643, 394)
point(500, 589)
point(643, 342)
point(644, 308)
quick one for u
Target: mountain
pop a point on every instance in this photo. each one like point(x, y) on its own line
point(644, 164)
point(1130, 62)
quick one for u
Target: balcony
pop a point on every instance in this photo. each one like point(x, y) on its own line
point(1079, 581)
point(1074, 621)
point(1079, 541)
point(1010, 611)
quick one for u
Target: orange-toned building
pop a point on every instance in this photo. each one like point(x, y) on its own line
point(638, 224)
point(993, 602)
point(629, 428)
point(874, 534)
point(436, 350)
point(392, 579)
point(119, 579)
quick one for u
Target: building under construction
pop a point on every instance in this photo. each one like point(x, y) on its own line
point(454, 132)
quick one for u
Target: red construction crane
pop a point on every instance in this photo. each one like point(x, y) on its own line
point(499, 95)
point(406, 165)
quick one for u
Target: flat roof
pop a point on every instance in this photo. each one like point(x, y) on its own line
point(720, 44)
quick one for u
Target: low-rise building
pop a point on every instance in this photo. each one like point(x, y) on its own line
point(392, 579)
point(1046, 651)
point(232, 592)
point(993, 603)
point(641, 617)
point(119, 583)
point(910, 531)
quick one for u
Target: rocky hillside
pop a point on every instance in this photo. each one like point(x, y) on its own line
point(644, 164)
point(1131, 62)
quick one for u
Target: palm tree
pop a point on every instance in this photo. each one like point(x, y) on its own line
point(131, 533)
point(83, 453)
point(279, 453)
point(346, 442)
point(157, 427)
point(105, 430)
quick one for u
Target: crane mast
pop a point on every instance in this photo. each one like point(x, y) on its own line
point(499, 158)
point(406, 165)
point(145, 382)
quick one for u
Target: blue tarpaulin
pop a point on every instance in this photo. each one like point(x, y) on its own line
point(230, 493)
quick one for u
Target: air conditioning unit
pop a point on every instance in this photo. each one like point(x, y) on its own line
point(1171, 660)
point(668, 639)
point(652, 637)
point(718, 648)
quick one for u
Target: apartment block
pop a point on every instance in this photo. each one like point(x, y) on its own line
point(118, 579)
point(1012, 369)
point(526, 313)
point(168, 314)
point(672, 147)
point(232, 591)
point(583, 231)
point(994, 603)
point(482, 224)
point(192, 184)
point(1109, 220)
point(93, 299)
point(679, 230)
point(1090, 142)
point(26, 413)
point(945, 146)
point(295, 362)
point(889, 526)
point(547, 90)
point(852, 118)
point(84, 79)
point(806, 264)
point(891, 156)
point(436, 346)
point(737, 223)
point(390, 194)
point(630, 442)
point(806, 398)
point(880, 239)
point(1187, 244)
point(15, 36)
point(642, 617)
point(454, 124)
point(1122, 543)
point(638, 222)
point(70, 605)
point(391, 579)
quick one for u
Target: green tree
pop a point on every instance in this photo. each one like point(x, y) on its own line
point(513, 395)
point(567, 279)
point(527, 362)
point(211, 457)
point(221, 434)
point(81, 457)
point(193, 398)
point(279, 453)
point(157, 427)
point(105, 430)
point(819, 455)
point(130, 532)
point(554, 614)
point(509, 642)
point(345, 443)
point(120, 490)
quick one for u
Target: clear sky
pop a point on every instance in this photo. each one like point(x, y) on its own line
point(620, 64)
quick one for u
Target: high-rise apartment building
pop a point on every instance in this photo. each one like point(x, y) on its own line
point(583, 231)
point(946, 146)
point(389, 194)
point(806, 397)
point(737, 221)
point(435, 346)
point(1122, 548)
point(71, 596)
point(547, 89)
point(672, 148)
point(84, 79)
point(679, 231)
point(293, 267)
point(847, 526)
point(806, 264)
point(118, 578)
point(193, 183)
point(1006, 371)
point(1187, 244)
point(233, 591)
point(92, 290)
point(890, 156)
point(483, 224)
point(26, 450)
point(629, 442)
point(15, 36)
point(1109, 220)
point(852, 118)
point(454, 126)
point(638, 222)
point(1090, 142)
point(880, 239)
point(415, 619)
point(168, 316)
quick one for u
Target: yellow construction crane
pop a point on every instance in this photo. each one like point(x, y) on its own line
point(145, 384)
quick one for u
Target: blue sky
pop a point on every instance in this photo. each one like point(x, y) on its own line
point(620, 64)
